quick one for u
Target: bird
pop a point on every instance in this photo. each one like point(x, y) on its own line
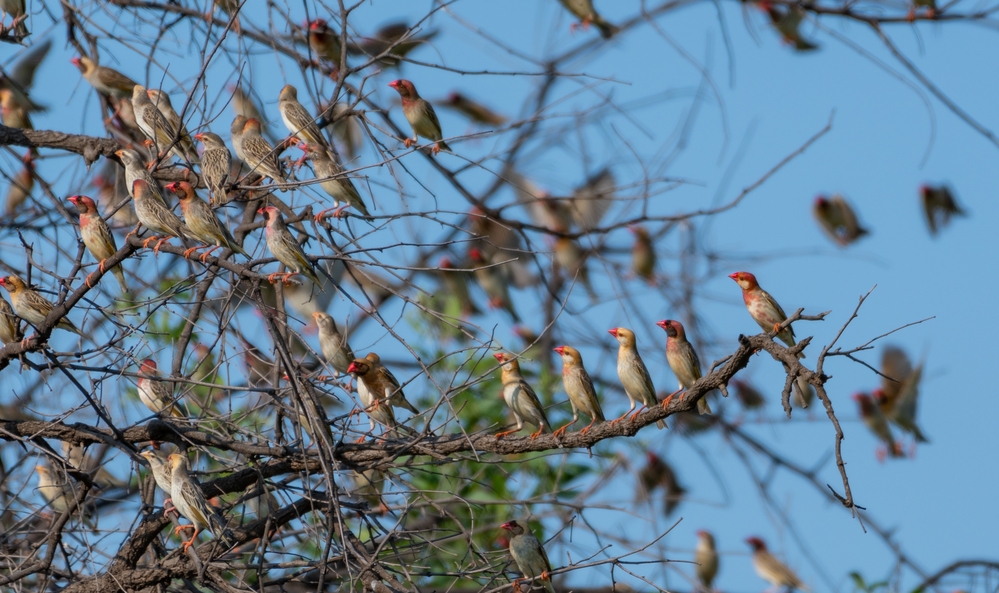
point(300, 123)
point(155, 393)
point(257, 152)
point(837, 219)
point(324, 42)
point(763, 308)
point(939, 205)
point(591, 200)
point(285, 248)
point(572, 260)
point(216, 165)
point(369, 485)
point(903, 409)
point(236, 132)
point(706, 557)
point(16, 9)
point(56, 490)
point(771, 569)
point(584, 11)
point(231, 10)
point(134, 169)
point(383, 384)
point(107, 81)
point(13, 114)
point(191, 504)
point(494, 285)
point(656, 473)
point(634, 375)
point(155, 126)
point(156, 217)
point(529, 554)
point(21, 186)
point(390, 43)
point(520, 397)
point(876, 422)
point(473, 110)
point(579, 388)
point(245, 106)
point(20, 76)
point(10, 331)
point(643, 255)
point(162, 475)
point(421, 116)
point(97, 237)
point(376, 408)
point(202, 222)
point(162, 102)
point(336, 351)
point(334, 182)
point(787, 23)
point(31, 306)
point(682, 359)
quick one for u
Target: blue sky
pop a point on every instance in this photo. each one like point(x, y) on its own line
point(771, 101)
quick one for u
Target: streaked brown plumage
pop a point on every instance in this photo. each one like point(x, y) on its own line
point(285, 248)
point(298, 120)
point(336, 351)
point(97, 237)
point(579, 388)
point(682, 359)
point(336, 184)
point(156, 217)
point(31, 306)
point(190, 502)
point(421, 116)
point(202, 222)
point(157, 395)
point(377, 409)
point(529, 554)
point(134, 169)
point(10, 330)
point(216, 164)
point(162, 102)
point(155, 126)
point(257, 152)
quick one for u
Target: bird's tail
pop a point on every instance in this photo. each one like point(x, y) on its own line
point(221, 532)
point(703, 407)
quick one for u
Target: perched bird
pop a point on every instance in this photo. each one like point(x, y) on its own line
point(231, 10)
point(633, 374)
point(529, 554)
point(324, 42)
point(162, 475)
point(369, 485)
point(377, 409)
point(383, 384)
point(657, 473)
point(154, 125)
point(97, 237)
point(245, 106)
point(300, 123)
point(421, 116)
point(216, 165)
point(16, 9)
point(787, 22)
point(162, 102)
point(156, 394)
point(285, 248)
point(334, 182)
point(643, 255)
point(55, 489)
point(10, 331)
point(105, 80)
point(202, 222)
point(748, 395)
point(13, 114)
point(682, 359)
point(156, 217)
point(494, 285)
point(134, 169)
point(336, 351)
point(837, 219)
point(587, 15)
point(473, 110)
point(191, 504)
point(257, 153)
point(31, 306)
point(763, 308)
point(706, 558)
point(939, 205)
point(390, 43)
point(579, 388)
point(773, 570)
point(236, 132)
point(21, 186)
point(520, 397)
point(876, 422)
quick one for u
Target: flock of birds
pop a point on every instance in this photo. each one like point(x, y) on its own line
point(150, 112)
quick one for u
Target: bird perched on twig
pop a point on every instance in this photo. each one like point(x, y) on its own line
point(202, 222)
point(633, 374)
point(300, 123)
point(286, 248)
point(530, 556)
point(31, 306)
point(97, 237)
point(162, 102)
point(520, 397)
point(156, 394)
point(216, 165)
point(156, 127)
point(105, 80)
point(421, 116)
point(191, 504)
point(155, 216)
point(682, 359)
point(334, 181)
point(257, 152)
point(763, 308)
point(336, 351)
point(579, 388)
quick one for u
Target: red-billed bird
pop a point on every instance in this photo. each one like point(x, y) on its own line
point(579, 388)
point(520, 397)
point(634, 375)
point(771, 569)
point(97, 237)
point(421, 116)
point(529, 554)
point(203, 222)
point(682, 358)
point(763, 308)
point(283, 246)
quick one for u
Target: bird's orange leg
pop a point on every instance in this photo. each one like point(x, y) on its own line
point(588, 426)
point(89, 277)
point(500, 435)
point(670, 397)
point(204, 256)
point(336, 213)
point(623, 416)
point(145, 244)
point(188, 252)
point(776, 328)
point(180, 528)
point(435, 149)
point(190, 542)
point(638, 413)
point(288, 276)
point(270, 277)
point(410, 141)
point(535, 435)
point(156, 250)
point(558, 433)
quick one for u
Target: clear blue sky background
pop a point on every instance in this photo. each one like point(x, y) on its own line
point(772, 100)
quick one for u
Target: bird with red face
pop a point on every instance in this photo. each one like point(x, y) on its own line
point(529, 554)
point(773, 570)
point(579, 388)
point(763, 308)
point(421, 116)
point(324, 41)
point(682, 358)
point(97, 236)
point(285, 248)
